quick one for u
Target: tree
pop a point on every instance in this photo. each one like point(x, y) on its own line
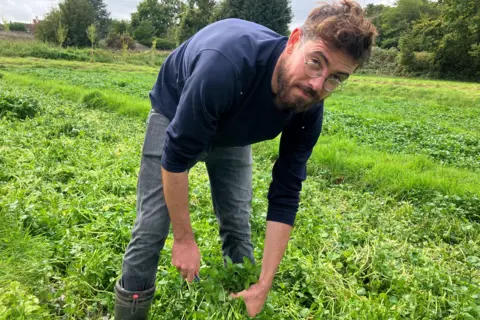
point(62, 31)
point(6, 25)
point(92, 34)
point(418, 46)
point(78, 15)
point(273, 14)
point(392, 22)
point(101, 17)
point(230, 9)
point(119, 26)
point(47, 28)
point(456, 53)
point(447, 44)
point(160, 15)
point(195, 17)
point(374, 12)
point(145, 32)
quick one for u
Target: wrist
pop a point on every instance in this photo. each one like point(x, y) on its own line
point(265, 282)
point(183, 237)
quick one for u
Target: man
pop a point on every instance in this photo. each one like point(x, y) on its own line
point(233, 84)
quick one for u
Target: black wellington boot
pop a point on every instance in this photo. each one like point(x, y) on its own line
point(132, 305)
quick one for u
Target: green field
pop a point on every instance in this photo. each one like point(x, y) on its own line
point(388, 226)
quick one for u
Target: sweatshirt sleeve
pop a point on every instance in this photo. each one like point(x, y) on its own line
point(290, 169)
point(209, 91)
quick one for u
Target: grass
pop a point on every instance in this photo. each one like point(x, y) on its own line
point(131, 83)
point(388, 228)
point(95, 99)
point(38, 49)
point(32, 63)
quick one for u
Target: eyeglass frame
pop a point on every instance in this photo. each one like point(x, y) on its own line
point(340, 84)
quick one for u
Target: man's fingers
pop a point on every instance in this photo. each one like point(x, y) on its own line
point(251, 313)
point(190, 276)
point(238, 295)
point(197, 271)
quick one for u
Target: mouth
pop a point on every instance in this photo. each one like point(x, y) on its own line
point(305, 93)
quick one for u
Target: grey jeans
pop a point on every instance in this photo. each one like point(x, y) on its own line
point(230, 174)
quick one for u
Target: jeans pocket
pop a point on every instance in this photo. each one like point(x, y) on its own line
point(157, 125)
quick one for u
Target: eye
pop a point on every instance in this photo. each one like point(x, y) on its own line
point(337, 78)
point(316, 63)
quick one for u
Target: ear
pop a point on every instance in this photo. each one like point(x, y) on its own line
point(294, 40)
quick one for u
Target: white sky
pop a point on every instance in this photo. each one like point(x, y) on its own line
point(26, 10)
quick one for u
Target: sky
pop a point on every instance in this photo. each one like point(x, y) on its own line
point(27, 10)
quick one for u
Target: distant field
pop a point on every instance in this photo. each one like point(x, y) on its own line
point(26, 48)
point(388, 226)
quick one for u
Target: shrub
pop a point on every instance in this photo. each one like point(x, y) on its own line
point(424, 61)
point(165, 44)
point(95, 100)
point(382, 61)
point(115, 41)
point(18, 26)
point(17, 106)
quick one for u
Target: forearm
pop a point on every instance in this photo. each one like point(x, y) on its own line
point(175, 189)
point(276, 241)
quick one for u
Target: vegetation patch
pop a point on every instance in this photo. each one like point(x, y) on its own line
point(20, 106)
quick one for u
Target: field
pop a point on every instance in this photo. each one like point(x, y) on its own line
point(388, 227)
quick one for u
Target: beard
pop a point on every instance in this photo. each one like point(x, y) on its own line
point(284, 99)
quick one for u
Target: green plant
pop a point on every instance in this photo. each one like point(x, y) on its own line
point(62, 32)
point(165, 44)
point(388, 225)
point(18, 106)
point(6, 24)
point(18, 26)
point(92, 35)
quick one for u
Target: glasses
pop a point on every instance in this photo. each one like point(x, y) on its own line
point(314, 69)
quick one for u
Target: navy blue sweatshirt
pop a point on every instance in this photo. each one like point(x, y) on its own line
point(216, 90)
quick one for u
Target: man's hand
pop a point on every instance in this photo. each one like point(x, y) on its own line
point(186, 258)
point(276, 240)
point(185, 253)
point(254, 297)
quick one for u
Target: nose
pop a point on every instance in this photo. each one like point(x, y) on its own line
point(317, 83)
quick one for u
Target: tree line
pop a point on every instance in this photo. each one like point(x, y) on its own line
point(438, 38)
point(435, 38)
point(163, 24)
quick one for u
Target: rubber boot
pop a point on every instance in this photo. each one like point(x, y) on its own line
point(132, 305)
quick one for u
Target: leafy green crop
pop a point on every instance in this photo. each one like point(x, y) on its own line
point(134, 84)
point(388, 226)
point(15, 105)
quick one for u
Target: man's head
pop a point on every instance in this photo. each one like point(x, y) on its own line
point(334, 41)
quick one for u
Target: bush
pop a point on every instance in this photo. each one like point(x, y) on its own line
point(17, 106)
point(18, 26)
point(424, 61)
point(115, 41)
point(144, 33)
point(382, 61)
point(95, 100)
point(166, 44)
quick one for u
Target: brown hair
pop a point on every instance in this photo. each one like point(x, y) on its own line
point(343, 25)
